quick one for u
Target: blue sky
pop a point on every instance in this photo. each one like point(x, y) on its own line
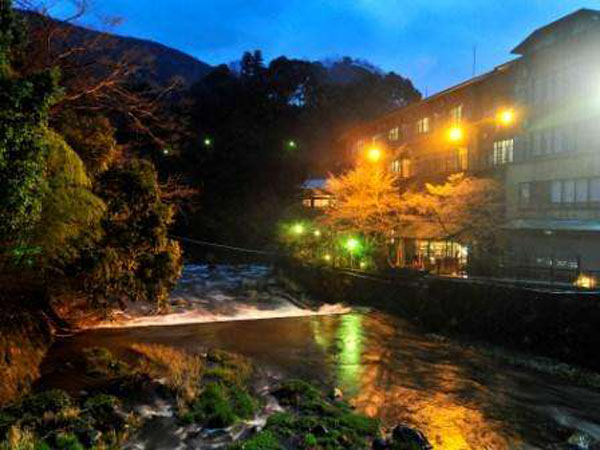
point(430, 41)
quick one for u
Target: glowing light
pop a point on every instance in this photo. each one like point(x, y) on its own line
point(455, 134)
point(317, 233)
point(586, 282)
point(298, 229)
point(327, 257)
point(363, 264)
point(352, 244)
point(506, 117)
point(165, 151)
point(374, 154)
point(292, 144)
point(207, 142)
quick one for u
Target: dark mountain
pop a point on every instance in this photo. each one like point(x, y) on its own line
point(156, 63)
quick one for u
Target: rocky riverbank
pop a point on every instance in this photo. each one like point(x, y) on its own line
point(170, 399)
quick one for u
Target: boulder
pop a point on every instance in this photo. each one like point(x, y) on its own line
point(405, 435)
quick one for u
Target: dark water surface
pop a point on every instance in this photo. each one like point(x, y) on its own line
point(460, 398)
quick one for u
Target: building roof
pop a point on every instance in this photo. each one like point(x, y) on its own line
point(314, 183)
point(432, 98)
point(553, 225)
point(554, 26)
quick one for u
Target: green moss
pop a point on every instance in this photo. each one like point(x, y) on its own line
point(52, 401)
point(212, 408)
point(310, 440)
point(68, 441)
point(264, 440)
point(100, 362)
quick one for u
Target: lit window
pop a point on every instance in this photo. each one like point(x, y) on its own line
point(396, 166)
point(503, 152)
point(320, 203)
point(423, 125)
point(394, 134)
point(456, 114)
point(405, 168)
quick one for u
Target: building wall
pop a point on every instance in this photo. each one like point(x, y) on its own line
point(541, 173)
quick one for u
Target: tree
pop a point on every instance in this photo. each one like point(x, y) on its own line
point(71, 213)
point(135, 259)
point(465, 209)
point(24, 107)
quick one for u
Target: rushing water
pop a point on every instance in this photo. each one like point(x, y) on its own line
point(460, 398)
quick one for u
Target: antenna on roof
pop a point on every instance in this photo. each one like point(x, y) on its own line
point(474, 60)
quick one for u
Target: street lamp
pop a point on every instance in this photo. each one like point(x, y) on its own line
point(455, 134)
point(374, 154)
point(207, 142)
point(506, 117)
point(298, 229)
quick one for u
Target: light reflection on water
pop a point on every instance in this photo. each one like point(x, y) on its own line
point(459, 398)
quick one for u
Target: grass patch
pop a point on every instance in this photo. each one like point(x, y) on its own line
point(180, 371)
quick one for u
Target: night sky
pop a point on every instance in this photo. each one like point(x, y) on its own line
point(430, 41)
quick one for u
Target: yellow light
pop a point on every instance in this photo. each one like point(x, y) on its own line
point(317, 233)
point(374, 154)
point(455, 134)
point(506, 117)
point(327, 257)
point(586, 282)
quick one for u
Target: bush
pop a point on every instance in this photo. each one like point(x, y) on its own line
point(264, 440)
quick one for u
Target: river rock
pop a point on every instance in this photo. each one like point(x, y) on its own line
point(380, 444)
point(337, 394)
point(581, 441)
point(410, 437)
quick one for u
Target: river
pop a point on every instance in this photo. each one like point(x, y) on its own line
point(460, 397)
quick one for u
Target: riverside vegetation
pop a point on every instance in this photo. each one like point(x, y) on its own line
point(211, 391)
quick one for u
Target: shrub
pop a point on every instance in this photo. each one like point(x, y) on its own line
point(182, 371)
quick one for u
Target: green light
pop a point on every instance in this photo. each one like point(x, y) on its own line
point(352, 245)
point(207, 142)
point(298, 229)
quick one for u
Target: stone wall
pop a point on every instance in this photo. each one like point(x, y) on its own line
point(559, 325)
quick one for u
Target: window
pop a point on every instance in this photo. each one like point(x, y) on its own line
point(402, 167)
point(456, 114)
point(503, 152)
point(524, 194)
point(394, 134)
point(556, 192)
point(569, 191)
point(581, 191)
point(423, 125)
point(594, 193)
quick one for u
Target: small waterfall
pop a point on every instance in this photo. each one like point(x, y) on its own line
point(223, 293)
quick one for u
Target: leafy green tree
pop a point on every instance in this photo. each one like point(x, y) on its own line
point(71, 213)
point(24, 105)
point(135, 259)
